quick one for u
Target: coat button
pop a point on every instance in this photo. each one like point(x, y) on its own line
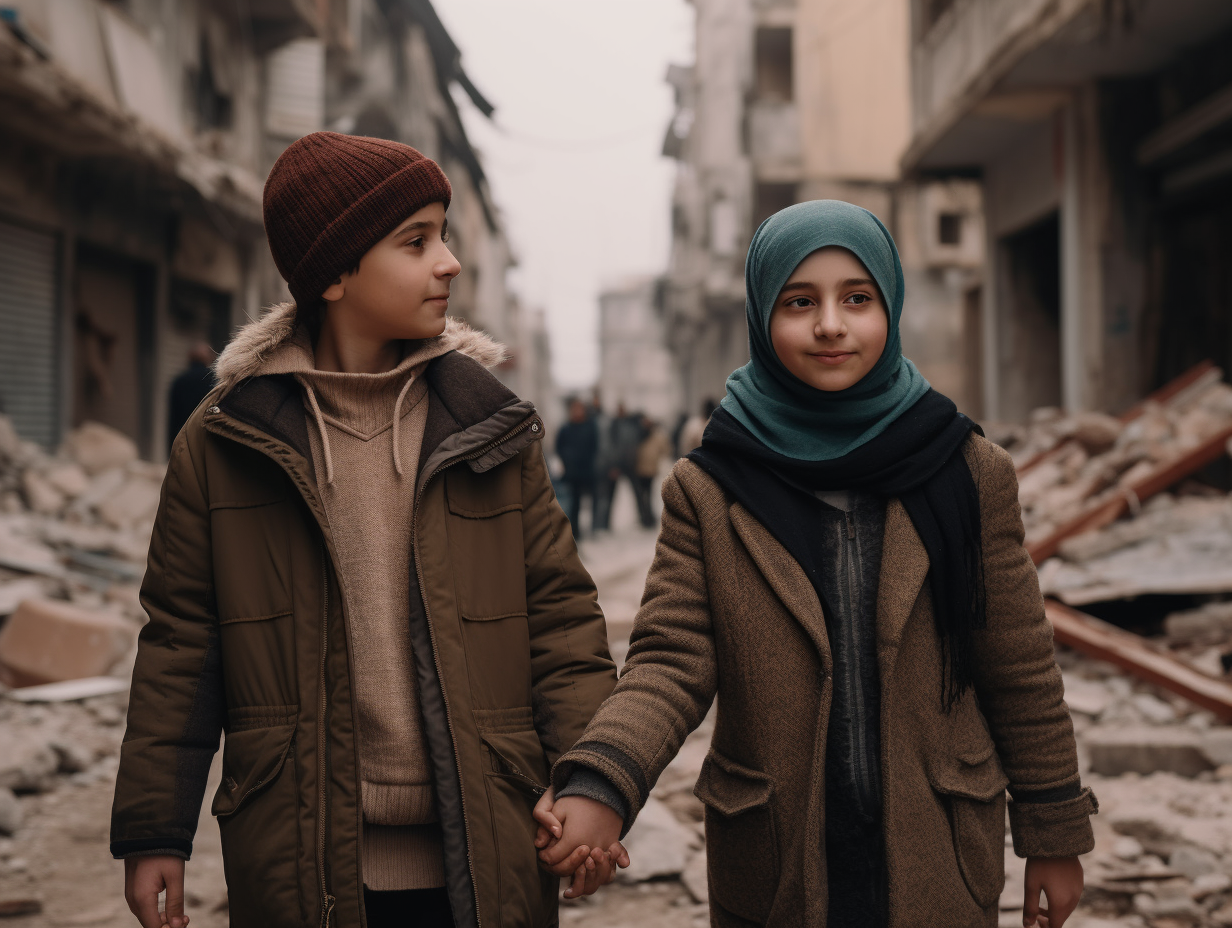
point(212, 410)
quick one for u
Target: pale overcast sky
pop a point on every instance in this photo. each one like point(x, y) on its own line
point(573, 157)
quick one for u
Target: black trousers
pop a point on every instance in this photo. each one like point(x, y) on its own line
point(408, 908)
point(577, 490)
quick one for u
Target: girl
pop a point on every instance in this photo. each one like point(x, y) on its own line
point(841, 563)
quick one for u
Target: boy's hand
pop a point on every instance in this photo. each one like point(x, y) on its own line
point(1061, 880)
point(579, 838)
point(144, 879)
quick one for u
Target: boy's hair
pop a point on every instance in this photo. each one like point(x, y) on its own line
point(330, 197)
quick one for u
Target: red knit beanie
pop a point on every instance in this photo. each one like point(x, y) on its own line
point(330, 197)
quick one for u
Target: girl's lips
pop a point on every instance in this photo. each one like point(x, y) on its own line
point(833, 357)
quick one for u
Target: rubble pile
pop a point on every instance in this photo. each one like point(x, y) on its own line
point(1071, 465)
point(74, 531)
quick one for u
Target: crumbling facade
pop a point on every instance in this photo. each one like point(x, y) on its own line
point(635, 367)
point(1100, 134)
point(134, 142)
point(772, 113)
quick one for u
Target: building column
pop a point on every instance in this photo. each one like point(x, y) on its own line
point(1082, 191)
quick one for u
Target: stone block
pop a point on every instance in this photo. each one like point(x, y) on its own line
point(695, 880)
point(1086, 696)
point(69, 478)
point(46, 641)
point(658, 844)
point(10, 812)
point(1144, 749)
point(97, 447)
point(28, 763)
point(40, 495)
point(1193, 862)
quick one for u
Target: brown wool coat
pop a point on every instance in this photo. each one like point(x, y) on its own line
point(248, 636)
point(728, 612)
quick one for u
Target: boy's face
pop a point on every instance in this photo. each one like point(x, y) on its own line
point(829, 323)
point(401, 288)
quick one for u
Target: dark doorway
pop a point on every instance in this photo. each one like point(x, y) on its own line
point(1029, 339)
point(113, 342)
point(1192, 291)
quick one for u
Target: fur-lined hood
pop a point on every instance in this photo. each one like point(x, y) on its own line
point(249, 351)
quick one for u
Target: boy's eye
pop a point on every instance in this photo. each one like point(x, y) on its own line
point(416, 242)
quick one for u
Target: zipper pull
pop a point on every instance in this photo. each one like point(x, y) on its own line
point(327, 916)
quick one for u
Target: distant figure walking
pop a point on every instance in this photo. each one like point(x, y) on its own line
point(576, 445)
point(606, 472)
point(655, 446)
point(691, 435)
point(189, 388)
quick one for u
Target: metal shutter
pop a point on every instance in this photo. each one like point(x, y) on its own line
point(28, 332)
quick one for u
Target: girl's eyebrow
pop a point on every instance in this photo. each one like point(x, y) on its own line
point(859, 282)
point(798, 285)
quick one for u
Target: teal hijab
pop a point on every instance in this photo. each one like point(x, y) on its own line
point(782, 411)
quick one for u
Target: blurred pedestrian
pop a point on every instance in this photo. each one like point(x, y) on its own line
point(189, 388)
point(606, 471)
point(576, 445)
point(627, 435)
point(654, 449)
point(691, 436)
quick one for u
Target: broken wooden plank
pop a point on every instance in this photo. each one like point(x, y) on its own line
point(1107, 511)
point(1105, 641)
point(1203, 370)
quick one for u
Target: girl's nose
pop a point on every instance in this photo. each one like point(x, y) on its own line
point(830, 322)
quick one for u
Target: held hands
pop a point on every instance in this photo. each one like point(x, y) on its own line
point(144, 879)
point(1061, 880)
point(578, 838)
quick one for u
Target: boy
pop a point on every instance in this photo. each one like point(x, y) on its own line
point(359, 572)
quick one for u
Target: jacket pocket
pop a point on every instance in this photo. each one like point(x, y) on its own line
point(972, 786)
point(515, 779)
point(485, 541)
point(742, 855)
point(257, 808)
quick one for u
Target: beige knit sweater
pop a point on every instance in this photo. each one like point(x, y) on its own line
point(366, 431)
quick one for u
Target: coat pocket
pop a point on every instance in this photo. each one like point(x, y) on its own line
point(515, 778)
point(742, 854)
point(257, 808)
point(972, 786)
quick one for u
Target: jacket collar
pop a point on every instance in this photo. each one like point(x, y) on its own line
point(471, 414)
point(904, 567)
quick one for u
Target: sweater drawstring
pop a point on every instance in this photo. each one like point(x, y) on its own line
point(320, 420)
point(397, 417)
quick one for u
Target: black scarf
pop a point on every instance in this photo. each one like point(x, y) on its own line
point(917, 459)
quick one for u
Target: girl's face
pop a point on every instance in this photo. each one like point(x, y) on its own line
point(829, 323)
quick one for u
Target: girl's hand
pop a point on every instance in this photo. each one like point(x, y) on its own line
point(1060, 878)
point(549, 825)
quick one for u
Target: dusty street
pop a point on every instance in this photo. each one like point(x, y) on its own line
point(1164, 838)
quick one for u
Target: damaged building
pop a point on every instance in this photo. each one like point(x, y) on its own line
point(1101, 134)
point(772, 113)
point(134, 141)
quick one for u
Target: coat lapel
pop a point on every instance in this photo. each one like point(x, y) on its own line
point(785, 576)
point(904, 566)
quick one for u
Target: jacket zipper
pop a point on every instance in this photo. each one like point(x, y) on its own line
point(327, 901)
point(436, 661)
point(855, 662)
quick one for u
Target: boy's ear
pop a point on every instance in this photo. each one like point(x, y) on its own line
point(334, 291)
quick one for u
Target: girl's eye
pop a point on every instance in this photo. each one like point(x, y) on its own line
point(859, 298)
point(799, 302)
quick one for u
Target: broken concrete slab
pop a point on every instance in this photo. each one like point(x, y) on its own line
point(1086, 696)
point(1193, 862)
point(134, 502)
point(1145, 749)
point(14, 591)
point(48, 641)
